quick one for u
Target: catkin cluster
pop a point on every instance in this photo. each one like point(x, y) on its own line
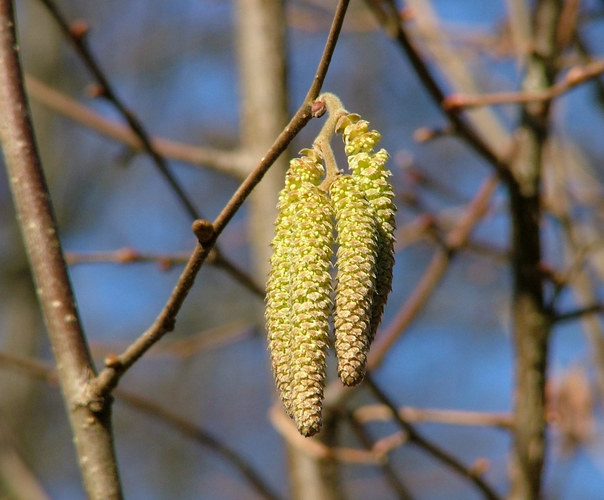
point(301, 303)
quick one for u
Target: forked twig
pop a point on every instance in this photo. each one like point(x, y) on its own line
point(439, 454)
point(42, 371)
point(575, 76)
point(78, 40)
point(110, 375)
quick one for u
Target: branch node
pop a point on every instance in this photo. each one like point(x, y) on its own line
point(79, 29)
point(318, 108)
point(95, 90)
point(113, 361)
point(203, 230)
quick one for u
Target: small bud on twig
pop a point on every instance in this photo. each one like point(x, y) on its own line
point(79, 28)
point(203, 230)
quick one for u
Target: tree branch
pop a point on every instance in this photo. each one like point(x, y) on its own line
point(109, 377)
point(531, 318)
point(78, 40)
point(224, 162)
point(90, 424)
point(387, 15)
point(574, 77)
point(439, 454)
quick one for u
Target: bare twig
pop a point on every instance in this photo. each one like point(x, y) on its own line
point(434, 273)
point(126, 255)
point(78, 39)
point(202, 436)
point(225, 162)
point(90, 422)
point(449, 417)
point(597, 308)
point(42, 371)
point(110, 375)
point(387, 15)
point(435, 451)
point(573, 78)
point(363, 436)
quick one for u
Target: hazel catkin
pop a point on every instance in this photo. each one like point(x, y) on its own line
point(373, 176)
point(311, 307)
point(299, 299)
point(356, 279)
point(305, 170)
point(298, 292)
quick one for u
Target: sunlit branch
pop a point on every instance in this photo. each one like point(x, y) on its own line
point(110, 375)
point(429, 447)
point(574, 77)
point(387, 469)
point(437, 416)
point(225, 162)
point(42, 371)
point(77, 38)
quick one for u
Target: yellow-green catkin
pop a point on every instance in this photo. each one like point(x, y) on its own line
point(356, 261)
point(373, 177)
point(304, 171)
point(311, 306)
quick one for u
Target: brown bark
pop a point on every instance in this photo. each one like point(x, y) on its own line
point(91, 426)
point(531, 320)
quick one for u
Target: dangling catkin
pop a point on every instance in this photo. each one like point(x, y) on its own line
point(298, 294)
point(355, 290)
point(306, 170)
point(311, 306)
point(373, 177)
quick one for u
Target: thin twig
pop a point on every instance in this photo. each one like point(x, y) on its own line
point(225, 162)
point(90, 422)
point(387, 15)
point(429, 447)
point(110, 375)
point(42, 371)
point(79, 42)
point(575, 76)
point(126, 255)
point(450, 417)
point(597, 308)
point(363, 436)
point(202, 436)
point(435, 271)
